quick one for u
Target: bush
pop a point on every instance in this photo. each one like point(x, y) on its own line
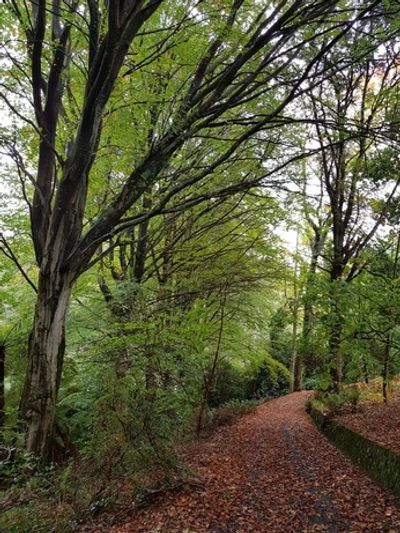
point(335, 403)
point(230, 384)
point(272, 380)
point(43, 500)
point(228, 412)
point(352, 395)
point(311, 383)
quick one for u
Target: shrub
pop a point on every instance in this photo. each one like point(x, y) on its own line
point(352, 395)
point(41, 500)
point(228, 412)
point(334, 403)
point(230, 384)
point(272, 380)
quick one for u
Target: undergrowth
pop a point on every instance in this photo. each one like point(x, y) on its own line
point(59, 498)
point(335, 403)
point(228, 413)
point(355, 396)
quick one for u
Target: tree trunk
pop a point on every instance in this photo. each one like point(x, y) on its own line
point(2, 387)
point(385, 370)
point(298, 373)
point(336, 325)
point(308, 356)
point(316, 246)
point(365, 370)
point(45, 361)
point(336, 368)
point(388, 343)
point(297, 361)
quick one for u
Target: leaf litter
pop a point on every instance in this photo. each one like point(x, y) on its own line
point(270, 472)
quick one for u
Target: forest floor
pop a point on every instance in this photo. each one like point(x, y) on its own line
point(374, 419)
point(270, 472)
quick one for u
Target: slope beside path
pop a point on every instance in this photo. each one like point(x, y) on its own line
point(271, 472)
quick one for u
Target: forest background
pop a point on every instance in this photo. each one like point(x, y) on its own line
point(155, 155)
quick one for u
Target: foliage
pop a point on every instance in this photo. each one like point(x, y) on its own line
point(229, 412)
point(271, 380)
point(155, 162)
point(335, 403)
point(231, 383)
point(280, 338)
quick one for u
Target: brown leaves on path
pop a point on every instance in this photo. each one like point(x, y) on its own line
point(271, 472)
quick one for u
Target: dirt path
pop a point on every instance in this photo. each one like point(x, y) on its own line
point(272, 472)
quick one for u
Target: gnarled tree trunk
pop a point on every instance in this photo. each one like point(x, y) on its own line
point(45, 361)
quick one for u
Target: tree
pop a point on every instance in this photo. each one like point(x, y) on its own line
point(349, 114)
point(78, 67)
point(376, 311)
point(318, 223)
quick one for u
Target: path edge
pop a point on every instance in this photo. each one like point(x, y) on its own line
point(381, 464)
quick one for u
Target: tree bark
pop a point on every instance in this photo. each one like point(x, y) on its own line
point(45, 361)
point(385, 370)
point(297, 360)
point(365, 370)
point(298, 373)
point(2, 387)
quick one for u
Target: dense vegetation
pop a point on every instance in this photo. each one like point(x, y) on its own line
point(156, 155)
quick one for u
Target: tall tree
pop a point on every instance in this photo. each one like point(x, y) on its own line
point(317, 225)
point(349, 114)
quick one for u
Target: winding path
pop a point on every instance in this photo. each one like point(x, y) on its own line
point(271, 472)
